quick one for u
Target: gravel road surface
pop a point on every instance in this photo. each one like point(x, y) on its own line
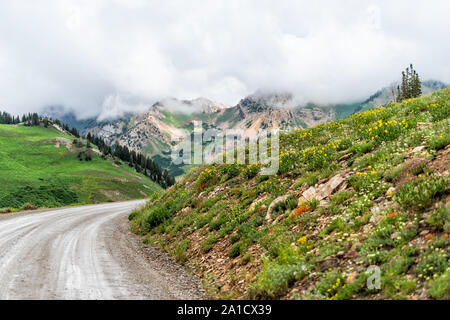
point(85, 252)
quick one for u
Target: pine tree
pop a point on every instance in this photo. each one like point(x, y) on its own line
point(417, 87)
point(410, 86)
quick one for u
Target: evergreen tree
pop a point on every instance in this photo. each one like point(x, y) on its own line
point(410, 86)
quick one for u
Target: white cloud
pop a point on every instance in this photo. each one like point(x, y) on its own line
point(108, 57)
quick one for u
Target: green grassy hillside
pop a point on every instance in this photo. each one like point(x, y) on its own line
point(39, 166)
point(364, 196)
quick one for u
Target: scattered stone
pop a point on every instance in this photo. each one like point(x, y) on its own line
point(351, 254)
point(328, 262)
point(202, 194)
point(440, 165)
point(380, 199)
point(309, 194)
point(274, 202)
point(352, 277)
point(278, 219)
point(184, 210)
point(423, 124)
point(419, 149)
point(423, 295)
point(323, 180)
point(323, 203)
point(328, 188)
point(375, 214)
point(323, 190)
point(409, 225)
point(217, 190)
point(255, 203)
point(342, 187)
point(424, 232)
point(345, 157)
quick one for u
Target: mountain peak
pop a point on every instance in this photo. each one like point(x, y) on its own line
point(188, 106)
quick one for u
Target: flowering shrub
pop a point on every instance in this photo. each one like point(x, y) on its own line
point(410, 169)
point(432, 263)
point(272, 185)
point(364, 182)
point(417, 194)
point(439, 142)
point(318, 156)
point(381, 237)
point(439, 111)
point(275, 279)
point(251, 170)
point(439, 217)
point(302, 240)
point(331, 285)
point(207, 176)
point(367, 116)
point(287, 161)
point(384, 131)
point(300, 210)
point(415, 106)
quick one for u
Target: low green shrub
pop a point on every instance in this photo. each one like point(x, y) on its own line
point(229, 171)
point(235, 250)
point(362, 147)
point(208, 243)
point(53, 195)
point(418, 194)
point(439, 111)
point(440, 287)
point(180, 251)
point(434, 262)
point(439, 217)
point(440, 142)
point(248, 257)
point(154, 217)
point(275, 279)
point(234, 238)
point(280, 207)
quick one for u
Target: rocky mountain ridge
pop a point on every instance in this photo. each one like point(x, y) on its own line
point(155, 131)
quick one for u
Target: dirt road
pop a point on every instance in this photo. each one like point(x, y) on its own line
point(85, 252)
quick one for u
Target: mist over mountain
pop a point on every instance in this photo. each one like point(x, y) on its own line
point(109, 58)
point(261, 99)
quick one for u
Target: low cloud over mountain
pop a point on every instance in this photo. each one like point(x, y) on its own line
point(110, 57)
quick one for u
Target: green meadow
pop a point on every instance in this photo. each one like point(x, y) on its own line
point(39, 167)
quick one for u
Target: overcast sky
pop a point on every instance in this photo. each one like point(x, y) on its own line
point(104, 57)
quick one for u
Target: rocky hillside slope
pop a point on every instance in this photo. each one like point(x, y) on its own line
point(358, 210)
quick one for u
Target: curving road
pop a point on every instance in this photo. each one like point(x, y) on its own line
point(85, 252)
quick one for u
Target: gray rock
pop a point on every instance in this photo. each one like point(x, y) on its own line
point(274, 202)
